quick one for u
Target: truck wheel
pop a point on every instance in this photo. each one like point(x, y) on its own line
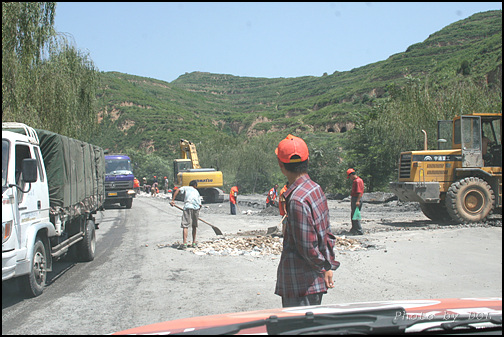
point(435, 212)
point(33, 284)
point(87, 246)
point(470, 200)
point(128, 203)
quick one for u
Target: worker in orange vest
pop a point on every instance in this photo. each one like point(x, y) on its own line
point(282, 205)
point(272, 195)
point(136, 185)
point(233, 194)
point(281, 200)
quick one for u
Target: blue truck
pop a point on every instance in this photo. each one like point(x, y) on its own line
point(119, 180)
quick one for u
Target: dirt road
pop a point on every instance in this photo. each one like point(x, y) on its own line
point(139, 276)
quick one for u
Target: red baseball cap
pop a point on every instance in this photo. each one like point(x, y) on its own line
point(292, 146)
point(349, 171)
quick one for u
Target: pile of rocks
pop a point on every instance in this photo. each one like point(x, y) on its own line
point(253, 246)
point(343, 243)
point(259, 246)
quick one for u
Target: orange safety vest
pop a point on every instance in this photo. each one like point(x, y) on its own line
point(271, 195)
point(233, 194)
point(281, 201)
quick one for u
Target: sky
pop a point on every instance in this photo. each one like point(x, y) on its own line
point(164, 40)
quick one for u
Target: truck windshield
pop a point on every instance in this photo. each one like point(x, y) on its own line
point(117, 166)
point(5, 160)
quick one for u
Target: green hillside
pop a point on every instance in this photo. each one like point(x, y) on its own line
point(152, 115)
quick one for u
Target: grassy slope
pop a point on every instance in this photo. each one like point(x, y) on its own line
point(198, 106)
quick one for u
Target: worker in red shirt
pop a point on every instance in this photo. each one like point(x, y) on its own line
point(356, 200)
point(233, 195)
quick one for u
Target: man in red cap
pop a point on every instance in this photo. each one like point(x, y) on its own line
point(233, 196)
point(356, 195)
point(305, 271)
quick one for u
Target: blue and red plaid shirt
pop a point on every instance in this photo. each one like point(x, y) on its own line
point(308, 244)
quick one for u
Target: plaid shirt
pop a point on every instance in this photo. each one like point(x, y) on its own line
point(308, 244)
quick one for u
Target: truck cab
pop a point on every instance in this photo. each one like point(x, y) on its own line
point(25, 204)
point(119, 180)
point(52, 188)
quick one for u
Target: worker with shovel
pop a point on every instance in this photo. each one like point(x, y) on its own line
point(305, 271)
point(192, 205)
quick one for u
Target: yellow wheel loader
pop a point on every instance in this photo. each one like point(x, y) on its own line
point(461, 181)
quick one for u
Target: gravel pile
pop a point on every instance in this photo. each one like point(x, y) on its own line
point(257, 246)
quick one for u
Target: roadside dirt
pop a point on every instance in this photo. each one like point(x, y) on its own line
point(380, 212)
point(139, 276)
point(402, 253)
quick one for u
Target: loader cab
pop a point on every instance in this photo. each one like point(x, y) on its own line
point(477, 136)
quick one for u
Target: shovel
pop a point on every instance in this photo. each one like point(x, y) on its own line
point(215, 229)
point(274, 229)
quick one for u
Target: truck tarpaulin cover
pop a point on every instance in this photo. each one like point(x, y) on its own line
point(75, 173)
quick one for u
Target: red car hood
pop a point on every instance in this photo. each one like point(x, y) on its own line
point(415, 309)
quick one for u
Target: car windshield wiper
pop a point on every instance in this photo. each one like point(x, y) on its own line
point(377, 321)
point(224, 330)
point(392, 320)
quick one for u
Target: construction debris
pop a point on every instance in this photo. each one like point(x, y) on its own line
point(257, 246)
point(343, 243)
point(253, 246)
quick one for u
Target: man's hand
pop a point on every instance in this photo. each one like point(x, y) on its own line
point(328, 278)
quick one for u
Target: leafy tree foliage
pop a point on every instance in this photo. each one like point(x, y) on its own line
point(46, 82)
point(326, 166)
point(395, 126)
point(149, 165)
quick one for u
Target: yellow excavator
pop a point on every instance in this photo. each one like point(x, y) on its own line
point(461, 181)
point(188, 168)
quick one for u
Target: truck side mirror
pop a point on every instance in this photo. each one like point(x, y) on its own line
point(29, 169)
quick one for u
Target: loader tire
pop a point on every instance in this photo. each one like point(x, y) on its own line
point(470, 200)
point(33, 283)
point(435, 212)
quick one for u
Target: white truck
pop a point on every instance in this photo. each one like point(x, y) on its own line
point(52, 188)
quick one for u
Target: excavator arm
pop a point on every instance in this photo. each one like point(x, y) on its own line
point(188, 151)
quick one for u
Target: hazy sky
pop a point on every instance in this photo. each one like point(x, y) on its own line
point(164, 40)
